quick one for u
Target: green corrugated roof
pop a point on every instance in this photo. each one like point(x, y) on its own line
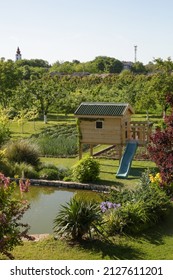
point(101, 109)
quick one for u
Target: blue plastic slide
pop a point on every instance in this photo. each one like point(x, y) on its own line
point(126, 159)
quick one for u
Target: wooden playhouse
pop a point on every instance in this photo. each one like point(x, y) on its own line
point(109, 123)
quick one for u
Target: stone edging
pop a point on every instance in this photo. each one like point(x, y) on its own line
point(70, 185)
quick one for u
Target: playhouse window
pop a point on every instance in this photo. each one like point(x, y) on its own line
point(99, 124)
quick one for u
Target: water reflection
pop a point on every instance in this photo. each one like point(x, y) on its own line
point(45, 203)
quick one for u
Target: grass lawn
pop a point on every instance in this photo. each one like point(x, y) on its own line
point(34, 127)
point(154, 244)
point(108, 169)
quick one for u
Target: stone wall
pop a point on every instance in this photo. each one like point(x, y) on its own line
point(70, 185)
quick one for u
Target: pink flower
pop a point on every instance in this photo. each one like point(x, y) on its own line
point(24, 186)
point(4, 180)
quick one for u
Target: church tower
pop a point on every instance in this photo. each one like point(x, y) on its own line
point(18, 54)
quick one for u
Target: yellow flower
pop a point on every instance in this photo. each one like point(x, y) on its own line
point(155, 179)
point(158, 177)
point(152, 178)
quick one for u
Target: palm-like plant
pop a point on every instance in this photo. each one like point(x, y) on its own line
point(77, 218)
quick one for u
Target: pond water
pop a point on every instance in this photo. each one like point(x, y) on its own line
point(45, 203)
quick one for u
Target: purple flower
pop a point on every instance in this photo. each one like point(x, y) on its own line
point(105, 205)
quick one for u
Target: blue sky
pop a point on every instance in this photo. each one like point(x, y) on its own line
point(83, 29)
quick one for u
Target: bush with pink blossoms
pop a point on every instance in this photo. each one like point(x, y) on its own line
point(12, 230)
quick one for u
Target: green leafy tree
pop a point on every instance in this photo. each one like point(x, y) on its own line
point(162, 82)
point(9, 78)
point(145, 95)
point(33, 63)
point(43, 94)
point(104, 64)
point(138, 68)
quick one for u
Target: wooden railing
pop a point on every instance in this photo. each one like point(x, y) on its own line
point(140, 131)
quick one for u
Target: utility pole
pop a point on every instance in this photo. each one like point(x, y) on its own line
point(135, 48)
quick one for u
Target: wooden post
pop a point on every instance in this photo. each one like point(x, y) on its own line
point(91, 150)
point(80, 150)
point(120, 150)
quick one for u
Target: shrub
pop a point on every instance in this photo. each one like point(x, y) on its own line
point(161, 149)
point(77, 218)
point(130, 218)
point(24, 169)
point(4, 134)
point(22, 151)
point(49, 174)
point(140, 208)
point(86, 170)
point(5, 166)
point(53, 172)
point(11, 211)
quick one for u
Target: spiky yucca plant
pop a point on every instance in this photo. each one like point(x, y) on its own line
point(77, 218)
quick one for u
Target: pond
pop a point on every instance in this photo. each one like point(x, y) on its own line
point(45, 203)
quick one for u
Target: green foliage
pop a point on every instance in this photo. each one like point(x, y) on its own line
point(77, 218)
point(45, 88)
point(22, 151)
point(61, 146)
point(53, 172)
point(58, 140)
point(101, 64)
point(130, 218)
point(10, 77)
point(140, 208)
point(24, 169)
point(48, 174)
point(4, 134)
point(11, 211)
point(86, 170)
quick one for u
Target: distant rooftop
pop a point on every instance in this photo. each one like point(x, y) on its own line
point(102, 109)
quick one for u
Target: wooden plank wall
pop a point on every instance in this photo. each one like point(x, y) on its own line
point(110, 133)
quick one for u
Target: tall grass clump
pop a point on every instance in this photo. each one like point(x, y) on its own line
point(22, 151)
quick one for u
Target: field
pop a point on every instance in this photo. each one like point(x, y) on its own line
point(151, 245)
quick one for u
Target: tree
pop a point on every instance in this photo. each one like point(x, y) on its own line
point(162, 82)
point(44, 93)
point(145, 95)
point(25, 115)
point(33, 63)
point(106, 64)
point(10, 77)
point(138, 68)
